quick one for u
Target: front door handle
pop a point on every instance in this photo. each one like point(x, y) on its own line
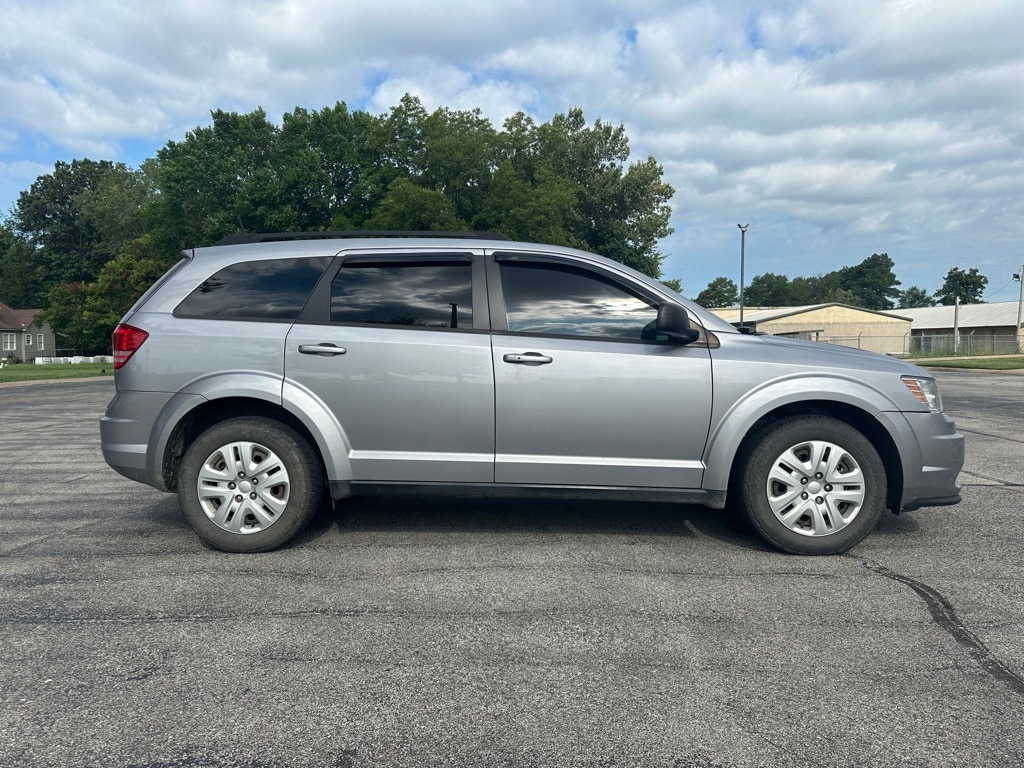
point(324, 350)
point(528, 358)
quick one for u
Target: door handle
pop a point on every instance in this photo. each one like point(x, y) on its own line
point(324, 350)
point(528, 358)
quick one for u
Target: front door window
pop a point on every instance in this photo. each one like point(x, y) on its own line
point(568, 301)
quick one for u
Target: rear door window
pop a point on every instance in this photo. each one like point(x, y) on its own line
point(413, 293)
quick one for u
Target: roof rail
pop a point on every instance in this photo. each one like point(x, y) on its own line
point(267, 237)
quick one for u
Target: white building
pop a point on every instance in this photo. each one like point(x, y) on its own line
point(981, 328)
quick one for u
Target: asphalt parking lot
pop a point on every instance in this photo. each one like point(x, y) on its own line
point(427, 632)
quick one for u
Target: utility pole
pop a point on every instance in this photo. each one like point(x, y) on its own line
point(1019, 277)
point(956, 325)
point(743, 243)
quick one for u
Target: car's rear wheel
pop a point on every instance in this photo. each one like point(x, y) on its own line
point(249, 484)
point(812, 485)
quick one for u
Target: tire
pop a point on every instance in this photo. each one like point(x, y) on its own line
point(249, 484)
point(811, 485)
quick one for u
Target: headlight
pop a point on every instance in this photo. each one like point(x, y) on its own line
point(925, 390)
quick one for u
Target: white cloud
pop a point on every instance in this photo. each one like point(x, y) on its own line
point(17, 176)
point(838, 129)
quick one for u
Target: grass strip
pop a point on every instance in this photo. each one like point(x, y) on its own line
point(30, 372)
point(1007, 363)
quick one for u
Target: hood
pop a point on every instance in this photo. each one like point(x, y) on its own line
point(825, 355)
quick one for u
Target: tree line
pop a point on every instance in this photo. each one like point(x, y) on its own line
point(83, 242)
point(872, 284)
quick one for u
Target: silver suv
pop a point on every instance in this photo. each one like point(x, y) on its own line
point(261, 371)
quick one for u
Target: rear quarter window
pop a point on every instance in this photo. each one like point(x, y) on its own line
point(270, 290)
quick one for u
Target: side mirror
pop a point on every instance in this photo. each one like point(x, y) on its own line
point(674, 322)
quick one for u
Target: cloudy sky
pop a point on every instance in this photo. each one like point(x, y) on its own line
point(836, 129)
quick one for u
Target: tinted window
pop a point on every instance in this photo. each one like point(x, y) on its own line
point(275, 289)
point(567, 301)
point(426, 294)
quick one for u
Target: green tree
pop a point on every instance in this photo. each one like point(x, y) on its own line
point(21, 274)
point(565, 181)
point(121, 282)
point(325, 156)
point(537, 210)
point(222, 179)
point(446, 153)
point(721, 292)
point(840, 296)
point(22, 277)
point(47, 217)
point(915, 297)
point(872, 283)
point(395, 144)
point(820, 289)
point(768, 290)
point(805, 290)
point(65, 312)
point(85, 314)
point(620, 211)
point(968, 285)
point(460, 153)
point(407, 206)
point(636, 217)
point(117, 209)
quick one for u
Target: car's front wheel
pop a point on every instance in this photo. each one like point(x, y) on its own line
point(249, 484)
point(812, 485)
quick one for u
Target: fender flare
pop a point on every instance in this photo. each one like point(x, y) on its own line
point(251, 385)
point(323, 425)
point(165, 424)
point(328, 436)
point(730, 430)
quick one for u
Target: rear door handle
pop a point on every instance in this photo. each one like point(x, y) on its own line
point(324, 350)
point(528, 358)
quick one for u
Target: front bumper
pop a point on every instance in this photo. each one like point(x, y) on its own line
point(932, 481)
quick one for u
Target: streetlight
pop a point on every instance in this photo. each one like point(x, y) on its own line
point(743, 243)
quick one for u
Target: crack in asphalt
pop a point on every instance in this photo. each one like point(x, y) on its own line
point(996, 480)
point(17, 548)
point(191, 618)
point(989, 434)
point(945, 616)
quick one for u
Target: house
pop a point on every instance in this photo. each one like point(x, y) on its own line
point(24, 336)
point(885, 332)
point(981, 328)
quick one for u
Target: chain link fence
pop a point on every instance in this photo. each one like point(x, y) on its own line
point(930, 345)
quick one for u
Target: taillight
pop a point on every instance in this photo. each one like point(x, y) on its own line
point(127, 340)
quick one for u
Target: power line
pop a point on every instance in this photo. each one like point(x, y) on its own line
point(990, 294)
